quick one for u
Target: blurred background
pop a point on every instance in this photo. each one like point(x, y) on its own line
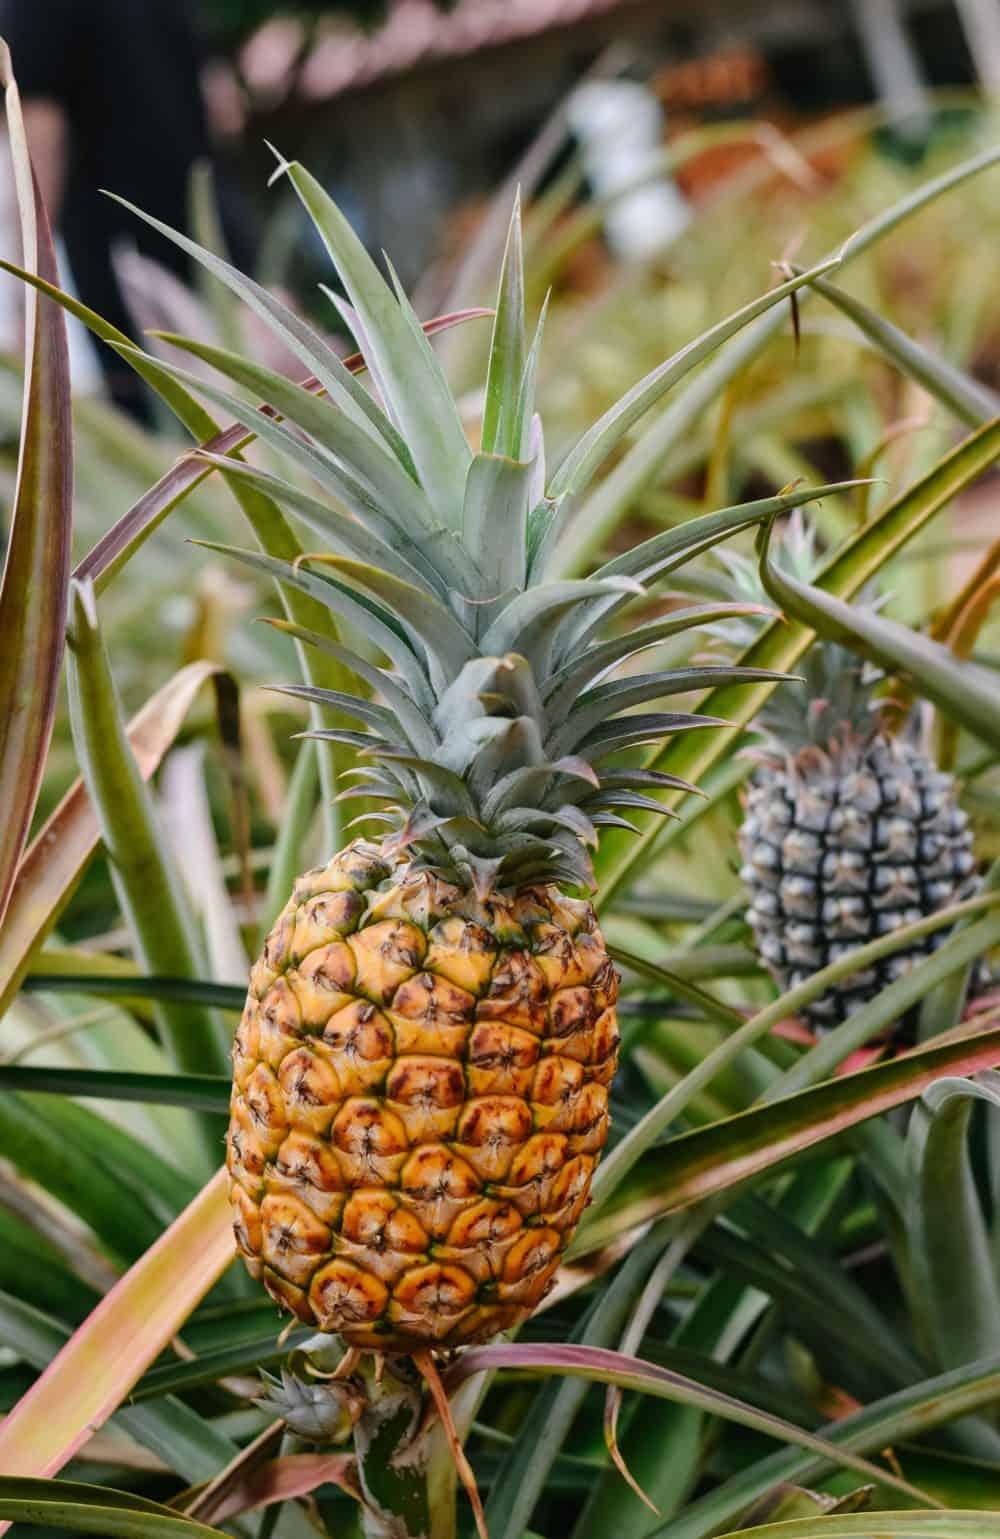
point(414, 111)
point(671, 158)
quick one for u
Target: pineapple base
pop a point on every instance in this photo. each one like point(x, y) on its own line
point(419, 1101)
point(843, 846)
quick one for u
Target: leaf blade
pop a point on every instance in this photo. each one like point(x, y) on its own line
point(35, 583)
point(62, 847)
point(91, 1375)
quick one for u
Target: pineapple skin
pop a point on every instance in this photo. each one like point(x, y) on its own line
point(842, 846)
point(419, 1101)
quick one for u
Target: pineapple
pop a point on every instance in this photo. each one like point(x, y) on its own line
point(421, 1073)
point(849, 832)
point(420, 1097)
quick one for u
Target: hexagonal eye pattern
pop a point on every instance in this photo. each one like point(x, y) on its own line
point(419, 1101)
point(843, 846)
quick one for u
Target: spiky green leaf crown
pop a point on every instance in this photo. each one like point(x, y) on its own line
point(833, 695)
point(496, 737)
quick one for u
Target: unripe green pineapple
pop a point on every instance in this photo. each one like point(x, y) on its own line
point(421, 1072)
point(850, 832)
point(845, 842)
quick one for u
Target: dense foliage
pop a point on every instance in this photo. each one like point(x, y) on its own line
point(780, 1306)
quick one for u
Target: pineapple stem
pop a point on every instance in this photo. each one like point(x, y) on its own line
point(393, 1458)
point(425, 1362)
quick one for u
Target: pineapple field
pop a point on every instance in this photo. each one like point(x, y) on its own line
point(510, 1044)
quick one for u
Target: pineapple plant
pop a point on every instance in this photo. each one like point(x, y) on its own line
point(421, 1073)
point(92, 1192)
point(850, 829)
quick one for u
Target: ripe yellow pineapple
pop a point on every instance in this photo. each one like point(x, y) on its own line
point(421, 1073)
point(420, 1097)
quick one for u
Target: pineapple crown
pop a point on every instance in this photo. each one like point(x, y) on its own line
point(831, 699)
point(495, 737)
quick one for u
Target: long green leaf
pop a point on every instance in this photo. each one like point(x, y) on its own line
point(127, 535)
point(696, 1165)
point(38, 1148)
point(93, 1510)
point(335, 376)
point(905, 1525)
point(567, 683)
point(350, 536)
point(501, 430)
point(826, 1056)
point(971, 402)
point(662, 552)
point(60, 851)
point(653, 559)
point(964, 691)
point(885, 1423)
point(133, 985)
point(147, 885)
point(35, 581)
point(781, 644)
point(199, 1092)
point(948, 1233)
point(713, 1009)
point(586, 457)
point(402, 359)
point(604, 1367)
point(371, 619)
point(33, 1268)
point(392, 487)
point(208, 1367)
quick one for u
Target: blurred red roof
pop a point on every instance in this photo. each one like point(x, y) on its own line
point(416, 32)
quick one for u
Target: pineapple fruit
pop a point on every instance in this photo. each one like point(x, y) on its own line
point(844, 842)
point(850, 832)
point(420, 1096)
point(421, 1073)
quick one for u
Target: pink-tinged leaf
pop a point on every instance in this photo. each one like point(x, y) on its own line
point(213, 1496)
point(606, 1367)
point(712, 1159)
point(114, 548)
point(281, 1481)
point(86, 1382)
point(56, 857)
point(36, 574)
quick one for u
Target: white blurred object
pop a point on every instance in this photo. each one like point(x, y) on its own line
point(981, 22)
point(620, 128)
point(85, 372)
point(895, 67)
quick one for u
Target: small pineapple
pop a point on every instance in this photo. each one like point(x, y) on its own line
point(849, 832)
point(318, 1412)
point(420, 1089)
